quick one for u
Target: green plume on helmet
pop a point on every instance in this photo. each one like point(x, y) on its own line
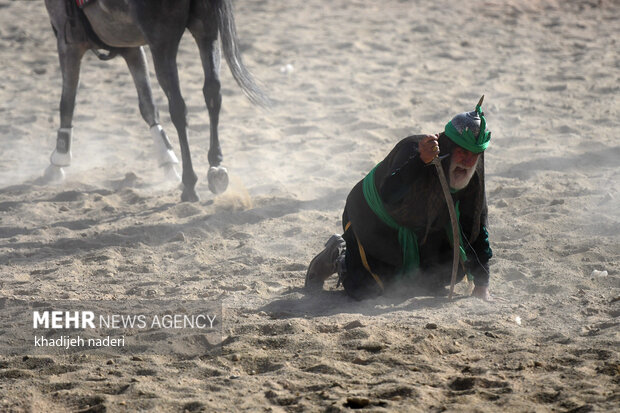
point(469, 130)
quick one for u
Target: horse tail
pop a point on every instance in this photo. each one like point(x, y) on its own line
point(232, 54)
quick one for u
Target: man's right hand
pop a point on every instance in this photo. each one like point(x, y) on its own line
point(428, 148)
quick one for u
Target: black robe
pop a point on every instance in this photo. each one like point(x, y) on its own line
point(412, 195)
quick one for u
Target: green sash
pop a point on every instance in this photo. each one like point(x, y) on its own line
point(406, 237)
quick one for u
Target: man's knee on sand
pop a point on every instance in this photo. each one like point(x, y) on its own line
point(432, 277)
point(360, 285)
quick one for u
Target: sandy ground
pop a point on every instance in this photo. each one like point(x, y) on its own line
point(361, 76)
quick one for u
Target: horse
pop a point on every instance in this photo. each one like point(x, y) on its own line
point(123, 27)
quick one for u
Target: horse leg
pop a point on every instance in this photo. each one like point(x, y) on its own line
point(70, 56)
point(164, 58)
point(210, 57)
point(136, 62)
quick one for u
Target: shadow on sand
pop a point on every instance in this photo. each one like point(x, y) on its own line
point(330, 302)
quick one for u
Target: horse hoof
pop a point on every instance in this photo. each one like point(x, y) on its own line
point(218, 179)
point(53, 174)
point(170, 172)
point(189, 195)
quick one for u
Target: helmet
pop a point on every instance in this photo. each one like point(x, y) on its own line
point(468, 130)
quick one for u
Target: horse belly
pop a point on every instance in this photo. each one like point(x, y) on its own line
point(112, 22)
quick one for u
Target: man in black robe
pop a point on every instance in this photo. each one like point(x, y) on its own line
point(397, 231)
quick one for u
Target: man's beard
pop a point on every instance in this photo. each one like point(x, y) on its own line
point(460, 175)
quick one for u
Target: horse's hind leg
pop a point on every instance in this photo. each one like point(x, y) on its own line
point(70, 56)
point(206, 39)
point(136, 62)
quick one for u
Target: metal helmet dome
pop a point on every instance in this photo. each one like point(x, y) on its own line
point(467, 120)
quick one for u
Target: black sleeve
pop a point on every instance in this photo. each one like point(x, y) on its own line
point(473, 204)
point(407, 167)
point(478, 256)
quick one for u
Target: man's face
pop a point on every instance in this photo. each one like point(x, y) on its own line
point(462, 167)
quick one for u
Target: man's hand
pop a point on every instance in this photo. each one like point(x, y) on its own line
point(428, 148)
point(482, 293)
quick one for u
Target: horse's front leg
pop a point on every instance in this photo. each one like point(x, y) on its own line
point(136, 62)
point(164, 59)
point(70, 56)
point(210, 57)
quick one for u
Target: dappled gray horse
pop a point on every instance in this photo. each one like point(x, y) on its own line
point(122, 27)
